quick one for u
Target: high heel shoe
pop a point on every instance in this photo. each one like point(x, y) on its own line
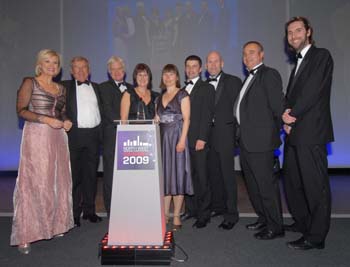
point(24, 248)
point(177, 226)
point(59, 235)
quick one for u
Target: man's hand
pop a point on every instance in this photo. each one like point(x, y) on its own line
point(288, 119)
point(200, 144)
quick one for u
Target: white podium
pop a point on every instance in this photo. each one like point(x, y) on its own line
point(137, 206)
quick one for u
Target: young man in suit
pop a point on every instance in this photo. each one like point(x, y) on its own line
point(308, 125)
point(111, 92)
point(221, 154)
point(202, 97)
point(83, 108)
point(258, 112)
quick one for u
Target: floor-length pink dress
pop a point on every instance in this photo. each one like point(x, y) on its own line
point(43, 193)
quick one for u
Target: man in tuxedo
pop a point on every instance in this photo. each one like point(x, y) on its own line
point(258, 112)
point(202, 97)
point(83, 108)
point(308, 125)
point(221, 153)
point(111, 92)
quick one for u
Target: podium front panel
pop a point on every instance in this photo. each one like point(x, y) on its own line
point(137, 213)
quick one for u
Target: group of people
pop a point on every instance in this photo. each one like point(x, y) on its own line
point(201, 124)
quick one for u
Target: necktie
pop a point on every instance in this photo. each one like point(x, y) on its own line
point(299, 55)
point(86, 82)
point(188, 82)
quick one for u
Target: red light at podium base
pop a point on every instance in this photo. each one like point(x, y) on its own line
point(136, 254)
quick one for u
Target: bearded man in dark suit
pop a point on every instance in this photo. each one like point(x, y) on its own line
point(308, 125)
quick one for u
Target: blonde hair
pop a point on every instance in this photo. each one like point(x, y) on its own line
point(42, 55)
point(114, 59)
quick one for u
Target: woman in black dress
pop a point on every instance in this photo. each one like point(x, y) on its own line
point(138, 103)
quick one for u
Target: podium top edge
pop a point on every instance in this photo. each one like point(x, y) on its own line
point(117, 122)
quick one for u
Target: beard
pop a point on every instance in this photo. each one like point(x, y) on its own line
point(301, 45)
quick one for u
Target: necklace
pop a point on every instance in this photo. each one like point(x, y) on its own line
point(142, 94)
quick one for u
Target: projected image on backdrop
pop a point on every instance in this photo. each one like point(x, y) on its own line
point(161, 32)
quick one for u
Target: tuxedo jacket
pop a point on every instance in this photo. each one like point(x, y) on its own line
point(308, 95)
point(71, 100)
point(261, 109)
point(202, 99)
point(227, 90)
point(111, 97)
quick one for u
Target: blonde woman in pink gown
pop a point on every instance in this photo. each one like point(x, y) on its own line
point(43, 193)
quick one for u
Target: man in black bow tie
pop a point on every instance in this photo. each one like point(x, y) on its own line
point(83, 108)
point(221, 152)
point(111, 93)
point(202, 97)
point(258, 112)
point(308, 125)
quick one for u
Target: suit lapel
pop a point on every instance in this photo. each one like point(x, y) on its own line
point(250, 84)
point(293, 79)
point(74, 99)
point(219, 88)
point(97, 93)
point(195, 88)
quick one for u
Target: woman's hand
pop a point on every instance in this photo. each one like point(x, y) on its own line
point(180, 147)
point(67, 125)
point(156, 119)
point(53, 123)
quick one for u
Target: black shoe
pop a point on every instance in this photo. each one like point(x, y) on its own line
point(291, 228)
point(216, 214)
point(255, 226)
point(226, 225)
point(267, 234)
point(77, 221)
point(303, 244)
point(94, 218)
point(201, 223)
point(186, 216)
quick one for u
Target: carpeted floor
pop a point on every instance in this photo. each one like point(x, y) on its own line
point(205, 247)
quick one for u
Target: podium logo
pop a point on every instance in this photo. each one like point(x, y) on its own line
point(135, 150)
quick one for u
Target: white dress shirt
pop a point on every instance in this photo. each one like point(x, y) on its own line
point(88, 113)
point(215, 83)
point(121, 87)
point(243, 90)
point(189, 86)
point(303, 53)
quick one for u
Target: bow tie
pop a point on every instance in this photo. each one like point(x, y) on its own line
point(121, 83)
point(252, 72)
point(299, 55)
point(86, 82)
point(212, 80)
point(188, 82)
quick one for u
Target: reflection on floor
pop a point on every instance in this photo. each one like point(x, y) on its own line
point(340, 185)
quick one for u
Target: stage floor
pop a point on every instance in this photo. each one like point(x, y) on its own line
point(340, 186)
